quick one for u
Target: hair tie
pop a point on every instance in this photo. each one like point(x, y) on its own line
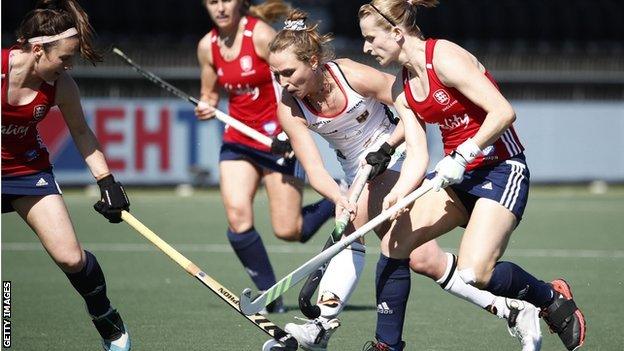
point(295, 25)
point(410, 2)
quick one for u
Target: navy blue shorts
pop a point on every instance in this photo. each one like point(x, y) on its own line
point(506, 182)
point(262, 159)
point(36, 184)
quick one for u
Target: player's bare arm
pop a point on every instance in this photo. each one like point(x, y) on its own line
point(459, 69)
point(262, 36)
point(208, 75)
point(417, 155)
point(293, 123)
point(68, 101)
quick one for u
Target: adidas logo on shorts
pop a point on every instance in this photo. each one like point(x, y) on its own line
point(487, 186)
point(383, 308)
point(41, 182)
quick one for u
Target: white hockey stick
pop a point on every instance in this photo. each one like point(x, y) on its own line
point(223, 117)
point(250, 307)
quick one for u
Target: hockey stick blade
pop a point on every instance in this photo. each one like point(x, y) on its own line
point(278, 334)
point(250, 307)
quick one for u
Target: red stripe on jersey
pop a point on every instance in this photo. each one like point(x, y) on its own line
point(344, 93)
point(250, 86)
point(457, 116)
point(23, 152)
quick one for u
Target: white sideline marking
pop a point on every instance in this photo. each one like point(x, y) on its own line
point(294, 248)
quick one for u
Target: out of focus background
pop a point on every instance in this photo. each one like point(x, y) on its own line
point(561, 63)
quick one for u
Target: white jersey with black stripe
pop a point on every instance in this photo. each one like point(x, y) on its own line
point(361, 127)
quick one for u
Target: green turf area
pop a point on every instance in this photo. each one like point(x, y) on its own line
point(565, 232)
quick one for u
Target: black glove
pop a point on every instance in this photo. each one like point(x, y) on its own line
point(113, 200)
point(281, 145)
point(379, 159)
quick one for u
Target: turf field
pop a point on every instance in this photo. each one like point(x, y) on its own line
point(565, 231)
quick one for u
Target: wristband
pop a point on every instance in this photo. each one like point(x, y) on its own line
point(469, 150)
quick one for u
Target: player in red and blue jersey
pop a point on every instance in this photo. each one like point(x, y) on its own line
point(484, 173)
point(233, 58)
point(34, 79)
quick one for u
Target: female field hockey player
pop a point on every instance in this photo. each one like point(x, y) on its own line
point(233, 57)
point(340, 100)
point(483, 177)
point(34, 79)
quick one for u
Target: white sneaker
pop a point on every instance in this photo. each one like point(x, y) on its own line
point(523, 324)
point(115, 336)
point(313, 335)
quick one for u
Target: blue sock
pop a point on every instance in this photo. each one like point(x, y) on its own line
point(393, 288)
point(509, 280)
point(90, 284)
point(252, 254)
point(314, 215)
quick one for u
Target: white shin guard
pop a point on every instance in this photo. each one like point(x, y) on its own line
point(340, 280)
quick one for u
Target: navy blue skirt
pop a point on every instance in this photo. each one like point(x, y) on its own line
point(36, 184)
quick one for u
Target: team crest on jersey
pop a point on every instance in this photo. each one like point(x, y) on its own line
point(246, 64)
point(441, 97)
point(361, 118)
point(39, 112)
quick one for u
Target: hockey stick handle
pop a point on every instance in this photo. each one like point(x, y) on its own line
point(354, 194)
point(258, 320)
point(223, 117)
point(312, 282)
point(182, 261)
point(250, 307)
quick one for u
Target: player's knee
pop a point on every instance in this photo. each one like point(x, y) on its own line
point(71, 261)
point(239, 218)
point(423, 264)
point(287, 233)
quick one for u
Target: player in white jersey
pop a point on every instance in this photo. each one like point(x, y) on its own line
point(362, 126)
point(340, 100)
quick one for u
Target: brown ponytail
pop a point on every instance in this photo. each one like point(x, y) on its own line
point(269, 11)
point(305, 43)
point(392, 13)
point(51, 17)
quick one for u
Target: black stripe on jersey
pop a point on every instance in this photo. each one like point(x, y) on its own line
point(343, 76)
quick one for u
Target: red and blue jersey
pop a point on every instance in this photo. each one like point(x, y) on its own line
point(23, 151)
point(252, 91)
point(457, 117)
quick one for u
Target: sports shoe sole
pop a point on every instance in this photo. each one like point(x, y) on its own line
point(562, 287)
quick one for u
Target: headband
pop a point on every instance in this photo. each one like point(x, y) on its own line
point(44, 39)
point(382, 15)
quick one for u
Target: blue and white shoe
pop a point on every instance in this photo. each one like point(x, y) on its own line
point(115, 336)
